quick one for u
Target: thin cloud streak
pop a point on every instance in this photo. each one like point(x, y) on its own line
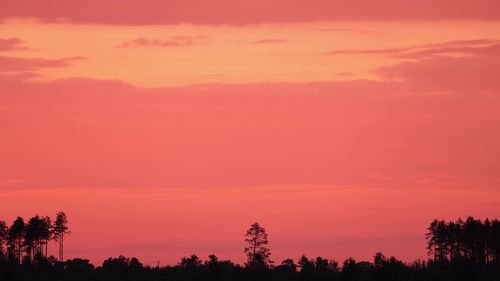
point(269, 42)
point(12, 44)
point(18, 64)
point(173, 41)
point(472, 47)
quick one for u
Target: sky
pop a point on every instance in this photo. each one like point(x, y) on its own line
point(165, 128)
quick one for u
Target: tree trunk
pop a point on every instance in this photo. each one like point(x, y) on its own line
point(19, 250)
point(254, 249)
point(62, 248)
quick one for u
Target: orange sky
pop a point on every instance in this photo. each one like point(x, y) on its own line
point(166, 128)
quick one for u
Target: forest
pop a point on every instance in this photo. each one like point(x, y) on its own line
point(458, 250)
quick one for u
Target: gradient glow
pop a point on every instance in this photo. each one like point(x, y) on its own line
point(166, 129)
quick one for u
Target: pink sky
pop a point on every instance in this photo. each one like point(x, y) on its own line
point(166, 128)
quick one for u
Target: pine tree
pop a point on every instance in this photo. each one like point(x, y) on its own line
point(257, 252)
point(15, 239)
point(4, 231)
point(60, 229)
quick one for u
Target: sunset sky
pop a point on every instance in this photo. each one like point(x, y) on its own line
point(165, 128)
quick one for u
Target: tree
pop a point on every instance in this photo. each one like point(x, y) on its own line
point(122, 268)
point(36, 238)
point(190, 263)
point(4, 230)
point(60, 229)
point(455, 244)
point(321, 264)
point(494, 241)
point(32, 238)
point(212, 262)
point(81, 268)
point(46, 233)
point(471, 240)
point(290, 264)
point(15, 239)
point(306, 265)
point(438, 239)
point(257, 252)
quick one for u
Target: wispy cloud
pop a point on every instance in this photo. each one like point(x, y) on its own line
point(12, 44)
point(463, 47)
point(346, 29)
point(344, 74)
point(367, 51)
point(17, 64)
point(9, 182)
point(269, 41)
point(172, 41)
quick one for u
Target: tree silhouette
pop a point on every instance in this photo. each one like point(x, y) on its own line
point(460, 250)
point(257, 252)
point(493, 242)
point(32, 238)
point(212, 263)
point(15, 239)
point(439, 240)
point(306, 265)
point(46, 233)
point(4, 230)
point(290, 264)
point(60, 229)
point(122, 268)
point(38, 232)
point(190, 263)
point(470, 240)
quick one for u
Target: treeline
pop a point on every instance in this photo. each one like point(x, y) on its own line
point(444, 266)
point(27, 242)
point(192, 268)
point(473, 240)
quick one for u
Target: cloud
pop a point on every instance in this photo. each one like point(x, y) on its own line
point(173, 41)
point(17, 64)
point(340, 29)
point(230, 12)
point(367, 51)
point(108, 133)
point(268, 41)
point(12, 44)
point(466, 75)
point(455, 43)
point(344, 74)
point(463, 47)
point(465, 66)
point(10, 182)
point(489, 50)
point(431, 117)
